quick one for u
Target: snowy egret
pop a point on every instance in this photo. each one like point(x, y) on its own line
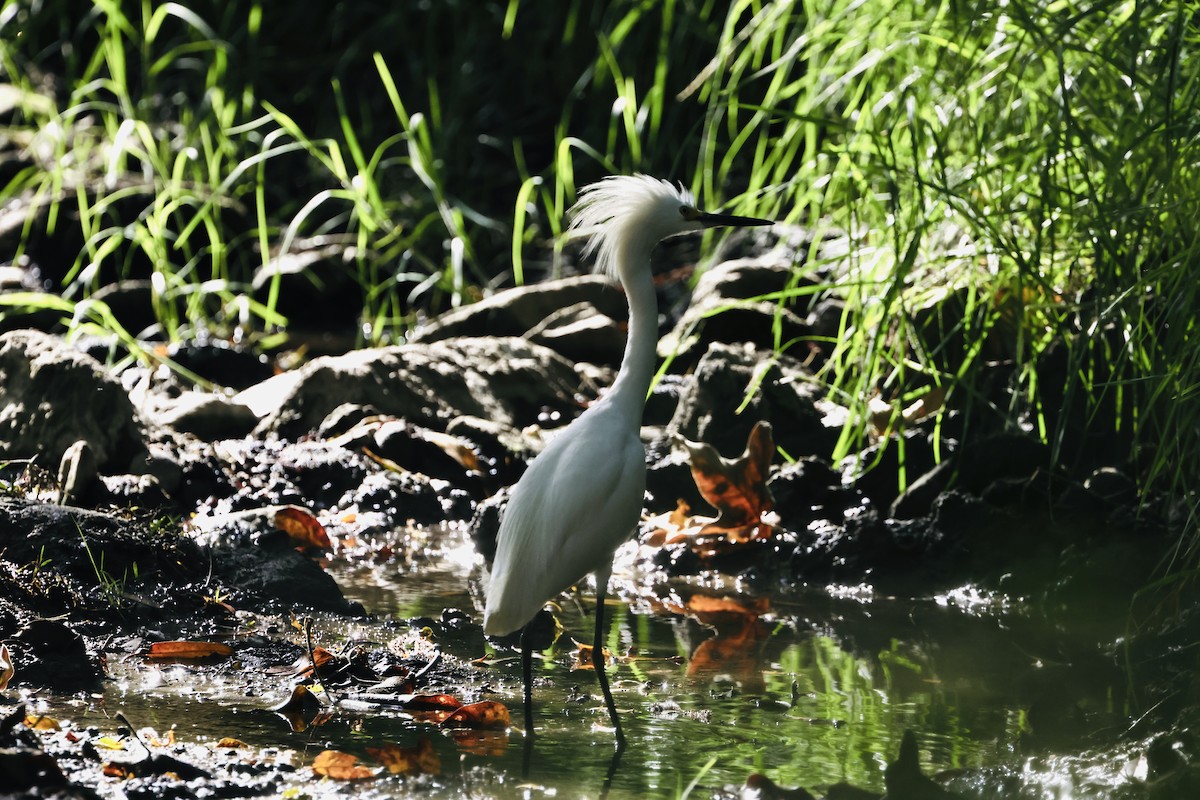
point(582, 496)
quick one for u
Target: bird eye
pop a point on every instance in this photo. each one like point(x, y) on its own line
point(688, 213)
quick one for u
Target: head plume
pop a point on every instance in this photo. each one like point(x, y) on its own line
point(620, 207)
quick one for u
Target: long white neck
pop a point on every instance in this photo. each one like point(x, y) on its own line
point(637, 365)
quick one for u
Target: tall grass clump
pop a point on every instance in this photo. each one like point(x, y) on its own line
point(1019, 181)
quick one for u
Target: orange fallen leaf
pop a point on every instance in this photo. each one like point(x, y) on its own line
point(487, 714)
point(229, 743)
point(340, 766)
point(736, 487)
point(422, 759)
point(303, 665)
point(430, 702)
point(7, 670)
point(302, 528)
point(187, 651)
point(41, 723)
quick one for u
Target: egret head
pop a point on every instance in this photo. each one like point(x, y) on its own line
point(624, 210)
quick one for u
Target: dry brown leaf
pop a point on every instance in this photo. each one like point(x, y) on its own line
point(303, 665)
point(340, 766)
point(187, 651)
point(302, 528)
point(7, 670)
point(386, 463)
point(422, 759)
point(41, 723)
point(230, 743)
point(487, 714)
point(456, 448)
point(430, 702)
point(300, 700)
point(737, 487)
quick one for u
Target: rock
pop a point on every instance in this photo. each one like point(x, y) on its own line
point(876, 470)
point(131, 491)
point(52, 396)
point(220, 362)
point(49, 655)
point(165, 399)
point(785, 397)
point(485, 525)
point(663, 400)
point(723, 309)
point(503, 451)
point(581, 333)
point(263, 566)
point(408, 498)
point(86, 562)
point(1000, 466)
point(430, 453)
point(669, 477)
point(207, 416)
point(77, 471)
point(506, 379)
point(515, 312)
point(315, 284)
point(807, 489)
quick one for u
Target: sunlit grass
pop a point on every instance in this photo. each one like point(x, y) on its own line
point(1018, 181)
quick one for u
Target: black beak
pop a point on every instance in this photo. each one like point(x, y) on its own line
point(717, 220)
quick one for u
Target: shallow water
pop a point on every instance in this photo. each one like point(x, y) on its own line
point(808, 687)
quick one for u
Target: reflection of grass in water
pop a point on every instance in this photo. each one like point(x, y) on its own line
point(824, 714)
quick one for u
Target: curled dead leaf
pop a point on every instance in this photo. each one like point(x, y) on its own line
point(187, 651)
point(429, 702)
point(42, 723)
point(736, 487)
point(7, 670)
point(302, 528)
point(299, 701)
point(487, 714)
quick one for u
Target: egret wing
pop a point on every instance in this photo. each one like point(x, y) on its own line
point(575, 504)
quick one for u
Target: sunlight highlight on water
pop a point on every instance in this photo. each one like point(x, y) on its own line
point(807, 688)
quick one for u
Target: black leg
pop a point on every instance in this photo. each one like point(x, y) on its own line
point(598, 657)
point(527, 677)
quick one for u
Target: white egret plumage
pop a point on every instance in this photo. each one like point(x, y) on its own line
point(582, 496)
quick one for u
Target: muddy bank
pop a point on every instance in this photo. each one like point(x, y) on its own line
point(139, 509)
